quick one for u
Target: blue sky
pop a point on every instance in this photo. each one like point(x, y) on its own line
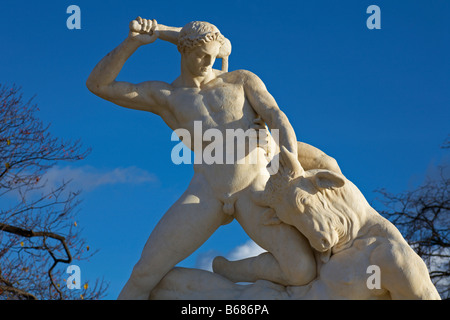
point(376, 100)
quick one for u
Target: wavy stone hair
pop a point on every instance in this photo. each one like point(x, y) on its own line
point(196, 33)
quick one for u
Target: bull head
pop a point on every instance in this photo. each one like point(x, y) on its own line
point(297, 196)
point(289, 170)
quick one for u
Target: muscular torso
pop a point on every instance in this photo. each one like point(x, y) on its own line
point(220, 104)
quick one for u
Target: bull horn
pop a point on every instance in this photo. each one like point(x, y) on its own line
point(290, 162)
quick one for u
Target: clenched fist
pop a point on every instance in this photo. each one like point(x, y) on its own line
point(143, 30)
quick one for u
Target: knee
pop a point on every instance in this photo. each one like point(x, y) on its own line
point(139, 285)
point(142, 275)
point(301, 272)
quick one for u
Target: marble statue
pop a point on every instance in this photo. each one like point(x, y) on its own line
point(319, 232)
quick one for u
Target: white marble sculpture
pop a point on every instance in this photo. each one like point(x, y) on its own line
point(319, 232)
point(349, 238)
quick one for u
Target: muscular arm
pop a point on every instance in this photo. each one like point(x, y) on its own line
point(148, 96)
point(265, 105)
point(169, 34)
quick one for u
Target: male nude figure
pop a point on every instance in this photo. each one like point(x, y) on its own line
point(221, 100)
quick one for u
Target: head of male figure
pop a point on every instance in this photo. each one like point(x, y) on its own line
point(199, 44)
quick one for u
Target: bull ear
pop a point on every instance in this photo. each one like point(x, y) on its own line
point(328, 179)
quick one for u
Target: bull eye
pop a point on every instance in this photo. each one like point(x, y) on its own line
point(301, 201)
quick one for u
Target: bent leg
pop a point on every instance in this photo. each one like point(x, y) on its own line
point(184, 228)
point(289, 260)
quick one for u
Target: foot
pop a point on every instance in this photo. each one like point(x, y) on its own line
point(219, 265)
point(222, 266)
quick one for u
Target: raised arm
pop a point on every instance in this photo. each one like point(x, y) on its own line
point(148, 96)
point(265, 105)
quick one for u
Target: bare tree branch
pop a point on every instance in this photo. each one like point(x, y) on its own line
point(422, 215)
point(37, 231)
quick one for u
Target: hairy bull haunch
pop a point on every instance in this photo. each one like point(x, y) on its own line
point(347, 234)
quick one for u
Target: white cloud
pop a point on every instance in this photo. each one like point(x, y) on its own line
point(89, 178)
point(205, 259)
point(248, 249)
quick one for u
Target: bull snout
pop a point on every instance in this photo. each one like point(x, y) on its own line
point(322, 241)
point(325, 243)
